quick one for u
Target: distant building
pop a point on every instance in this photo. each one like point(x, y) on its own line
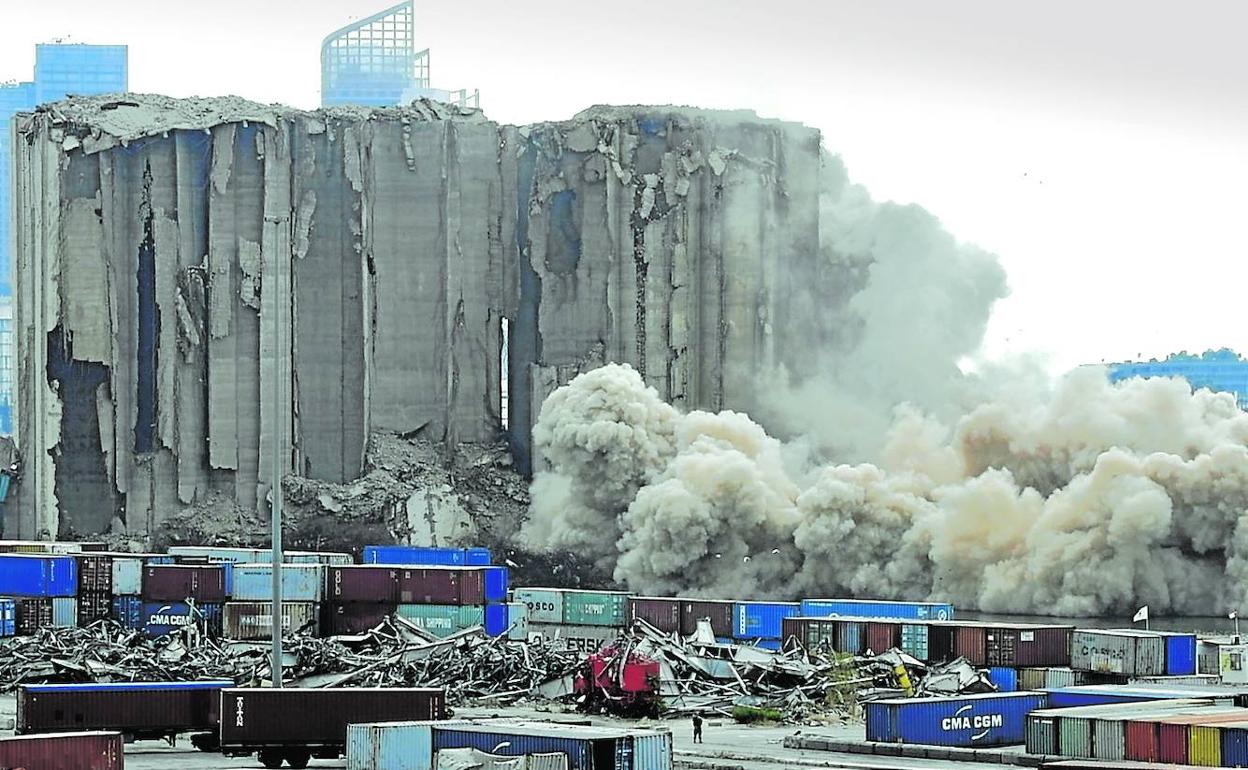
point(60, 70)
point(1222, 371)
point(374, 63)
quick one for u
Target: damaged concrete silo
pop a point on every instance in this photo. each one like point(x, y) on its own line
point(159, 241)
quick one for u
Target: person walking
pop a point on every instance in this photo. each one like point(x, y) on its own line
point(697, 729)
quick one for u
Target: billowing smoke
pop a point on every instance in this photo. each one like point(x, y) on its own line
point(1084, 506)
point(998, 490)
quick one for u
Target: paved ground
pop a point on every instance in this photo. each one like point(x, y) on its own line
point(726, 746)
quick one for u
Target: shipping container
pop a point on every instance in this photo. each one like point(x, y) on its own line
point(178, 583)
point(914, 640)
point(295, 723)
point(138, 710)
point(761, 620)
point(545, 605)
point(1027, 645)
point(1118, 652)
point(128, 611)
point(1004, 679)
point(390, 746)
point(441, 585)
point(443, 619)
point(662, 613)
point(595, 608)
point(1117, 733)
point(32, 614)
point(992, 719)
point(1041, 733)
point(368, 584)
point(63, 751)
point(354, 617)
point(300, 582)
point(94, 606)
point(1180, 653)
point(517, 621)
point(127, 576)
point(1194, 680)
point(718, 612)
point(587, 748)
point(869, 608)
point(882, 637)
point(323, 558)
point(254, 620)
point(222, 554)
point(25, 575)
point(162, 618)
point(1235, 744)
point(582, 638)
point(8, 617)
point(95, 573)
point(1097, 695)
point(47, 548)
point(1194, 739)
point(970, 642)
point(424, 555)
point(65, 612)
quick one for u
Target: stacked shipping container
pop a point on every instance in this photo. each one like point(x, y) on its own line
point(577, 619)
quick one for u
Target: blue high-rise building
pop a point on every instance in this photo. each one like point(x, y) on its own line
point(1222, 371)
point(60, 70)
point(373, 62)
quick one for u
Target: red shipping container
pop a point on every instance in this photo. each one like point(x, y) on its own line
point(370, 584)
point(1142, 741)
point(719, 612)
point(663, 614)
point(353, 617)
point(63, 751)
point(882, 637)
point(177, 583)
point(1172, 743)
point(433, 585)
point(970, 642)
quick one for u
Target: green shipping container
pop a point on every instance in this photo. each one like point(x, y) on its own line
point(442, 619)
point(595, 608)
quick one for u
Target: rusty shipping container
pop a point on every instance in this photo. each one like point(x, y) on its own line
point(970, 642)
point(136, 709)
point(254, 620)
point(177, 583)
point(354, 617)
point(296, 722)
point(434, 585)
point(882, 636)
point(362, 583)
point(1020, 645)
point(719, 613)
point(63, 751)
point(664, 614)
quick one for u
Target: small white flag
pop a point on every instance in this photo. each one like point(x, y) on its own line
point(1141, 615)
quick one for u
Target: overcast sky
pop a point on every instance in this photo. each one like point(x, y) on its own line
point(1099, 147)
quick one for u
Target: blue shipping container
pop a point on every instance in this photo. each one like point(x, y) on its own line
point(8, 617)
point(1180, 653)
point(1098, 695)
point(627, 749)
point(160, 619)
point(761, 620)
point(426, 556)
point(390, 745)
point(864, 608)
point(496, 620)
point(1234, 746)
point(1005, 679)
point(37, 575)
point(128, 611)
point(254, 582)
point(496, 584)
point(992, 719)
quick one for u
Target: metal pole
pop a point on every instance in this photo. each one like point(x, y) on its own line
point(275, 664)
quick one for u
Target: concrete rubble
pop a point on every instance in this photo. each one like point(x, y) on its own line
point(192, 273)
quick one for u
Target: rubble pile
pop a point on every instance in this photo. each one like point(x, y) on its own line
point(895, 674)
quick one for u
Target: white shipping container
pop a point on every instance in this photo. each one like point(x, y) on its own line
point(583, 638)
point(517, 621)
point(390, 746)
point(253, 621)
point(127, 576)
point(65, 612)
point(545, 604)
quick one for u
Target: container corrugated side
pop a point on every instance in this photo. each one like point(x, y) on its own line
point(582, 638)
point(300, 582)
point(312, 717)
point(545, 605)
point(8, 617)
point(995, 719)
point(253, 621)
point(497, 583)
point(65, 612)
point(80, 751)
point(390, 746)
point(761, 620)
point(1204, 745)
point(1074, 736)
point(517, 621)
point(1235, 744)
point(1117, 652)
point(652, 751)
point(864, 608)
point(580, 744)
point(161, 618)
point(595, 608)
point(28, 575)
point(1041, 733)
point(1005, 679)
point(1180, 653)
point(148, 709)
point(443, 619)
point(223, 555)
point(660, 612)
point(127, 576)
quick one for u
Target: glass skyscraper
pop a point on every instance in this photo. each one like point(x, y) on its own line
point(60, 70)
point(1222, 371)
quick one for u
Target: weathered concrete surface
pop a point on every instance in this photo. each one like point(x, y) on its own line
point(164, 245)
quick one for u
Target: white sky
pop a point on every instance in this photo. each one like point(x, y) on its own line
point(1100, 148)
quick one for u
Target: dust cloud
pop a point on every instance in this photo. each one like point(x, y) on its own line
point(997, 490)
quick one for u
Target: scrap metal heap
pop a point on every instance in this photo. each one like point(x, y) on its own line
point(432, 275)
